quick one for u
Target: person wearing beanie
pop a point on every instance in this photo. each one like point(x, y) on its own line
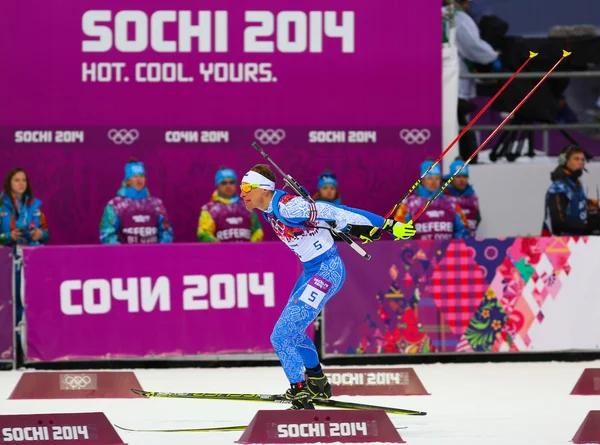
point(327, 186)
point(443, 219)
point(135, 217)
point(224, 217)
point(464, 194)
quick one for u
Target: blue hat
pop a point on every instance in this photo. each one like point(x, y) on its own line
point(225, 173)
point(134, 169)
point(435, 171)
point(457, 164)
point(327, 178)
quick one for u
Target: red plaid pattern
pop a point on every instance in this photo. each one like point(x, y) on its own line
point(458, 285)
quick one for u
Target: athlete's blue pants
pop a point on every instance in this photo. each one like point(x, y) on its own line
point(321, 279)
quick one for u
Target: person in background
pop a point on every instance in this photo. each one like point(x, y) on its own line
point(224, 217)
point(443, 219)
point(567, 210)
point(328, 189)
point(471, 49)
point(22, 221)
point(135, 217)
point(328, 192)
point(465, 195)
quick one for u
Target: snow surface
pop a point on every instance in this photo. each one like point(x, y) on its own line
point(470, 404)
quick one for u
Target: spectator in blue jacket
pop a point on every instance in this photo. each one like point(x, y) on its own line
point(22, 223)
point(21, 218)
point(328, 189)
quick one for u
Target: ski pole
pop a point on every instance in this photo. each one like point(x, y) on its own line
point(415, 185)
point(443, 187)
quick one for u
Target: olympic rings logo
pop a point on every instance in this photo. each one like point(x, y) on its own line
point(269, 136)
point(415, 136)
point(75, 382)
point(123, 136)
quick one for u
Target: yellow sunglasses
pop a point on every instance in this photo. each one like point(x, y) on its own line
point(247, 188)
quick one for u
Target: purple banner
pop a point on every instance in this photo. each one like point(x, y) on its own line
point(478, 295)
point(153, 301)
point(6, 308)
point(353, 86)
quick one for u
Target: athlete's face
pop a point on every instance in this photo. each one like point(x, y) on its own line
point(256, 198)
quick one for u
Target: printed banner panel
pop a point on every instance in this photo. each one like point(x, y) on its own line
point(478, 295)
point(154, 301)
point(186, 87)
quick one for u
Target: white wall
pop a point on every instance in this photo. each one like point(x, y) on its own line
point(511, 196)
point(450, 127)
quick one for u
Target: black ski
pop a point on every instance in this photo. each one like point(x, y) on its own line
point(186, 430)
point(199, 430)
point(273, 398)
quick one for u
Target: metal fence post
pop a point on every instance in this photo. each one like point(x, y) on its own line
point(14, 309)
point(546, 141)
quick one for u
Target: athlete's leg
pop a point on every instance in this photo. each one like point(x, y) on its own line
point(293, 347)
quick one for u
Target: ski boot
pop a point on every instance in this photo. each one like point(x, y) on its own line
point(318, 385)
point(300, 396)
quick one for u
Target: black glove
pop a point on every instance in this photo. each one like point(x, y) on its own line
point(366, 233)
